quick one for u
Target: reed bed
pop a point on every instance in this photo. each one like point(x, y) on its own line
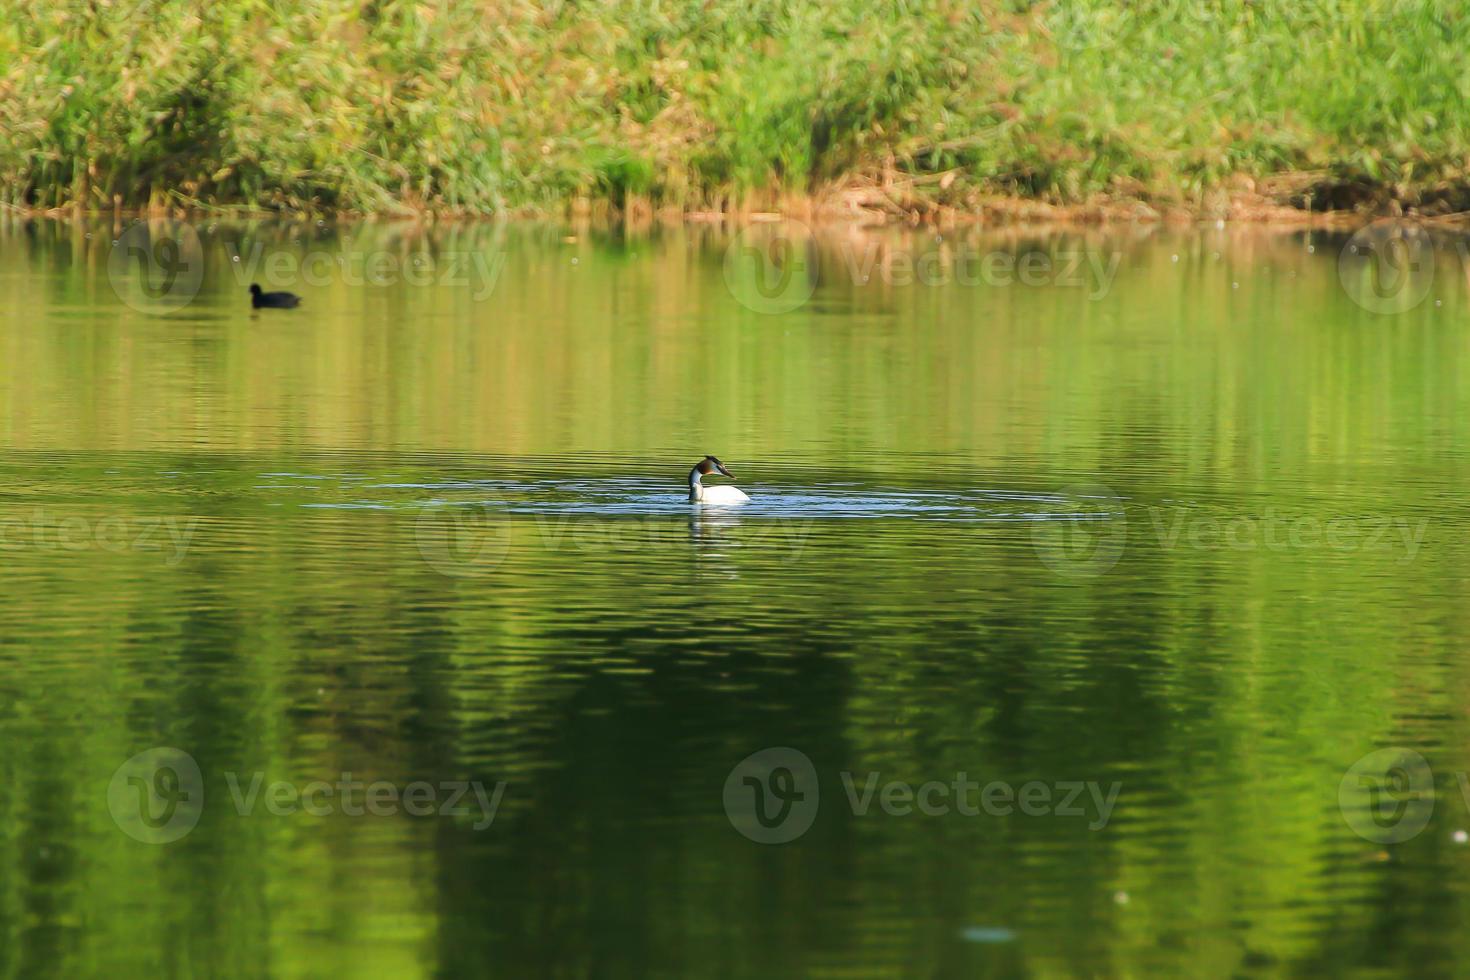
point(384, 106)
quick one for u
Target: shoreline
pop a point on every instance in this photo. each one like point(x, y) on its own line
point(866, 205)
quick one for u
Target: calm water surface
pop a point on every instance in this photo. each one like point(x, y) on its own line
point(1183, 525)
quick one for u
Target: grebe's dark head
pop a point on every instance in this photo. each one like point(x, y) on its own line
point(710, 465)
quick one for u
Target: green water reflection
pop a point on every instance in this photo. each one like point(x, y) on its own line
point(429, 529)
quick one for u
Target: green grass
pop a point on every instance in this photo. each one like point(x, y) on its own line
point(384, 105)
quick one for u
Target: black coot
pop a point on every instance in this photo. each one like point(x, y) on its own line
point(279, 301)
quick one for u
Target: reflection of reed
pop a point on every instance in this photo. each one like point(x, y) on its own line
point(640, 336)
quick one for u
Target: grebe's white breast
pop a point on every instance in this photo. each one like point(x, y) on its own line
point(721, 495)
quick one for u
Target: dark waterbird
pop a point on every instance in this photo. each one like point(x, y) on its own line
point(279, 301)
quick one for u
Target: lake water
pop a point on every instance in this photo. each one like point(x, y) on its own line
point(1100, 609)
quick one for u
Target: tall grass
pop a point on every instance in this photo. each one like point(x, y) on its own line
point(479, 106)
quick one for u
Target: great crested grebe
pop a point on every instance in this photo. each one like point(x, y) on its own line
point(280, 301)
point(722, 494)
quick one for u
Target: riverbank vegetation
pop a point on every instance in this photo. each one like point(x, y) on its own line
point(482, 107)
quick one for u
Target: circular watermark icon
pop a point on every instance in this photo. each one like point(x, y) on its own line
point(157, 796)
point(1387, 796)
point(156, 266)
point(1081, 535)
point(1387, 266)
point(461, 541)
point(769, 268)
point(771, 796)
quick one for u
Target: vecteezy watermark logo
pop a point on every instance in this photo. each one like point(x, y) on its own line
point(1273, 530)
point(156, 266)
point(1387, 796)
point(461, 541)
point(40, 530)
point(1081, 532)
point(157, 796)
point(472, 540)
point(477, 271)
point(1387, 266)
point(772, 796)
point(998, 798)
point(769, 267)
point(940, 264)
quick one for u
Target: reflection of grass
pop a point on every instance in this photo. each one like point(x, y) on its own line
point(478, 107)
point(613, 680)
